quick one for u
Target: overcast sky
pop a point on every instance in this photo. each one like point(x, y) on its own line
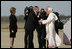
point(63, 7)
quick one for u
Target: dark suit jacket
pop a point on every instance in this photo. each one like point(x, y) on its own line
point(26, 16)
point(32, 21)
point(13, 23)
point(42, 16)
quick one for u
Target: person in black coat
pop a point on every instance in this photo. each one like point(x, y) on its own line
point(26, 12)
point(31, 24)
point(12, 26)
point(56, 28)
point(41, 30)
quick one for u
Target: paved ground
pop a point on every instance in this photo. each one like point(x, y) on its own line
point(19, 40)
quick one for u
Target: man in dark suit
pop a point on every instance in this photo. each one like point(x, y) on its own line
point(41, 30)
point(12, 26)
point(26, 12)
point(31, 24)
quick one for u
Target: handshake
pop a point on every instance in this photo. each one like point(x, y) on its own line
point(40, 21)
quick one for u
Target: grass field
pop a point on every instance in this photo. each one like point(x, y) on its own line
point(19, 40)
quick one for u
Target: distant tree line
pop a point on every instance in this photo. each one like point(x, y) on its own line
point(6, 18)
point(21, 18)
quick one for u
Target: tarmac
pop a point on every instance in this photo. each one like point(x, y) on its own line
point(19, 40)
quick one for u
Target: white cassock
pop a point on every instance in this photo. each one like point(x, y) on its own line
point(51, 36)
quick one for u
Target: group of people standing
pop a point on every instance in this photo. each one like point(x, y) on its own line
point(31, 24)
point(42, 21)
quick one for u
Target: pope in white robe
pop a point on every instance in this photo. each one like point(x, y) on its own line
point(52, 37)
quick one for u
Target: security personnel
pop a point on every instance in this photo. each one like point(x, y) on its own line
point(13, 25)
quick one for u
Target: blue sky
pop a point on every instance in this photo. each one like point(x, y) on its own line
point(63, 7)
